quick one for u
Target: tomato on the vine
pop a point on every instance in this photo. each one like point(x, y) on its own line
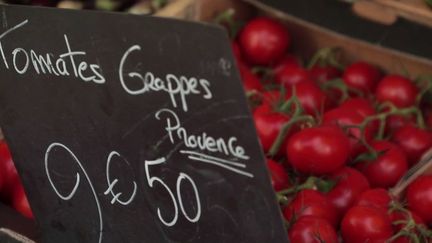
point(318, 150)
point(291, 74)
point(313, 203)
point(390, 165)
point(414, 141)
point(360, 105)
point(279, 176)
point(236, 51)
point(264, 40)
point(286, 60)
point(395, 122)
point(398, 216)
point(352, 119)
point(310, 229)
point(362, 76)
point(398, 90)
point(311, 98)
point(419, 197)
point(268, 124)
point(250, 81)
point(323, 73)
point(20, 202)
point(366, 224)
point(8, 173)
point(350, 183)
point(377, 197)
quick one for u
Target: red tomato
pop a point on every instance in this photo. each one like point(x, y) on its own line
point(264, 40)
point(289, 75)
point(250, 81)
point(20, 202)
point(360, 105)
point(311, 98)
point(395, 122)
point(349, 117)
point(322, 74)
point(271, 97)
point(279, 176)
point(388, 168)
point(313, 203)
point(8, 173)
point(318, 150)
point(309, 229)
point(366, 224)
point(287, 60)
point(236, 51)
point(361, 76)
point(377, 197)
point(350, 184)
point(268, 124)
point(397, 90)
point(419, 197)
point(414, 141)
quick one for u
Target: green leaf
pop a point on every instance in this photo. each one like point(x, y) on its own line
point(429, 2)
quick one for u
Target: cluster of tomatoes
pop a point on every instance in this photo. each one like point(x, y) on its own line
point(11, 189)
point(337, 140)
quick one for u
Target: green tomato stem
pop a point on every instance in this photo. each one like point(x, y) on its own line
point(284, 131)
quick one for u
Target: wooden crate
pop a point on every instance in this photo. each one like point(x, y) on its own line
point(387, 11)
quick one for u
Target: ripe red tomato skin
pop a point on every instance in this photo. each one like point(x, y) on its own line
point(271, 98)
point(236, 51)
point(264, 40)
point(308, 228)
point(376, 197)
point(388, 168)
point(397, 90)
point(250, 81)
point(360, 105)
point(366, 224)
point(268, 124)
point(395, 122)
point(350, 184)
point(8, 173)
point(321, 74)
point(414, 141)
point(361, 76)
point(318, 150)
point(349, 117)
point(290, 74)
point(20, 202)
point(312, 203)
point(286, 60)
point(279, 177)
point(310, 96)
point(419, 197)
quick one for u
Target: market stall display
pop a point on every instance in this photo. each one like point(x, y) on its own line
point(345, 124)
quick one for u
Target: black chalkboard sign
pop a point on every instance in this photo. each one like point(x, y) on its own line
point(131, 129)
